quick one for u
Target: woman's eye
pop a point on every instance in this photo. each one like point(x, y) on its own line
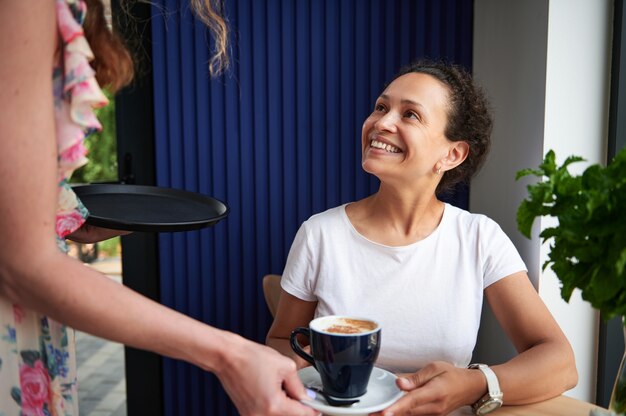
point(412, 114)
point(379, 107)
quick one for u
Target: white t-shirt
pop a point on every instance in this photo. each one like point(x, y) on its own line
point(427, 296)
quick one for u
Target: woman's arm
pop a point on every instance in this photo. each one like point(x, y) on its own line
point(291, 313)
point(545, 366)
point(36, 275)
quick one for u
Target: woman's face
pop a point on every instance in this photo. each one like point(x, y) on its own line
point(403, 139)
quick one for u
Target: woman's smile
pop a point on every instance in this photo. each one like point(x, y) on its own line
point(385, 147)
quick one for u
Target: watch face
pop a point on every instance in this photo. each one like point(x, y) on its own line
point(489, 406)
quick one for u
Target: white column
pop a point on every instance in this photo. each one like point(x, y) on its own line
point(545, 66)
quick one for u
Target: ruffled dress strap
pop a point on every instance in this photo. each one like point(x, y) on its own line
point(77, 95)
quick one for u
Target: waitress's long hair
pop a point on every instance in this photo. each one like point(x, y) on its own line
point(114, 64)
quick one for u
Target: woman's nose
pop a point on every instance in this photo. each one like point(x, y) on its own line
point(387, 122)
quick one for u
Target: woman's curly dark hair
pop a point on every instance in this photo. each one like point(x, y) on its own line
point(469, 117)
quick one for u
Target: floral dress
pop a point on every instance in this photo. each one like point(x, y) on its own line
point(37, 354)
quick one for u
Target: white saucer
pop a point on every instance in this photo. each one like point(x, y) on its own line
point(382, 392)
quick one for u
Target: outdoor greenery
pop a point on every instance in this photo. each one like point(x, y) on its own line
point(102, 166)
point(110, 247)
point(588, 246)
point(102, 146)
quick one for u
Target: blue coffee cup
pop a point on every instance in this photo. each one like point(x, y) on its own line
point(343, 351)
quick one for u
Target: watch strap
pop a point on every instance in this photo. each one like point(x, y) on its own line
point(494, 394)
point(493, 386)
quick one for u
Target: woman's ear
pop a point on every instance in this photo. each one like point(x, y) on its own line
point(457, 153)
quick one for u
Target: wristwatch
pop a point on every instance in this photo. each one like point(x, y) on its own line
point(493, 399)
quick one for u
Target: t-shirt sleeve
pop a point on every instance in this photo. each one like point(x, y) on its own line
point(499, 255)
point(299, 273)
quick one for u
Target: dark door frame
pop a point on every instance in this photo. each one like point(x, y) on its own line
point(136, 155)
point(611, 336)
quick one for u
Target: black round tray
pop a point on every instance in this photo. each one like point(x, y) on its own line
point(149, 208)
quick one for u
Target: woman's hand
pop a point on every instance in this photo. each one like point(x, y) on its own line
point(437, 389)
point(88, 234)
point(261, 381)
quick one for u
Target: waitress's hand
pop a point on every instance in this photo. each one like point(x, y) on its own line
point(261, 381)
point(88, 234)
point(437, 389)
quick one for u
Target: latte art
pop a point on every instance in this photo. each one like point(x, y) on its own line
point(350, 326)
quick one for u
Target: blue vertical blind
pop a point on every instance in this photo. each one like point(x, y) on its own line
point(277, 138)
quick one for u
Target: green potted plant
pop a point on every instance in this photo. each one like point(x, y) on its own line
point(588, 246)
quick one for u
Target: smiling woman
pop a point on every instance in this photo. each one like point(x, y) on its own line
point(410, 116)
point(468, 117)
point(425, 266)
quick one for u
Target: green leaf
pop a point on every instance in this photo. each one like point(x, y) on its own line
point(572, 159)
point(601, 289)
point(525, 217)
point(550, 232)
point(541, 193)
point(566, 185)
point(527, 172)
point(548, 166)
point(621, 262)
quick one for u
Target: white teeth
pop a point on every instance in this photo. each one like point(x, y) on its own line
point(383, 146)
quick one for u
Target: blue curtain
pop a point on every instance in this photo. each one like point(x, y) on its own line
point(277, 138)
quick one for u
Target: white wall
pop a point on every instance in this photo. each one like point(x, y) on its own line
point(576, 122)
point(545, 65)
point(510, 48)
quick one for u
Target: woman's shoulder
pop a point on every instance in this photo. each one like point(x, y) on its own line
point(328, 218)
point(470, 220)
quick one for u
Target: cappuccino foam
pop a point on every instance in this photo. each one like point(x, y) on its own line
point(350, 326)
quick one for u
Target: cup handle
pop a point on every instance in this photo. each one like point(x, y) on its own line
point(297, 348)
